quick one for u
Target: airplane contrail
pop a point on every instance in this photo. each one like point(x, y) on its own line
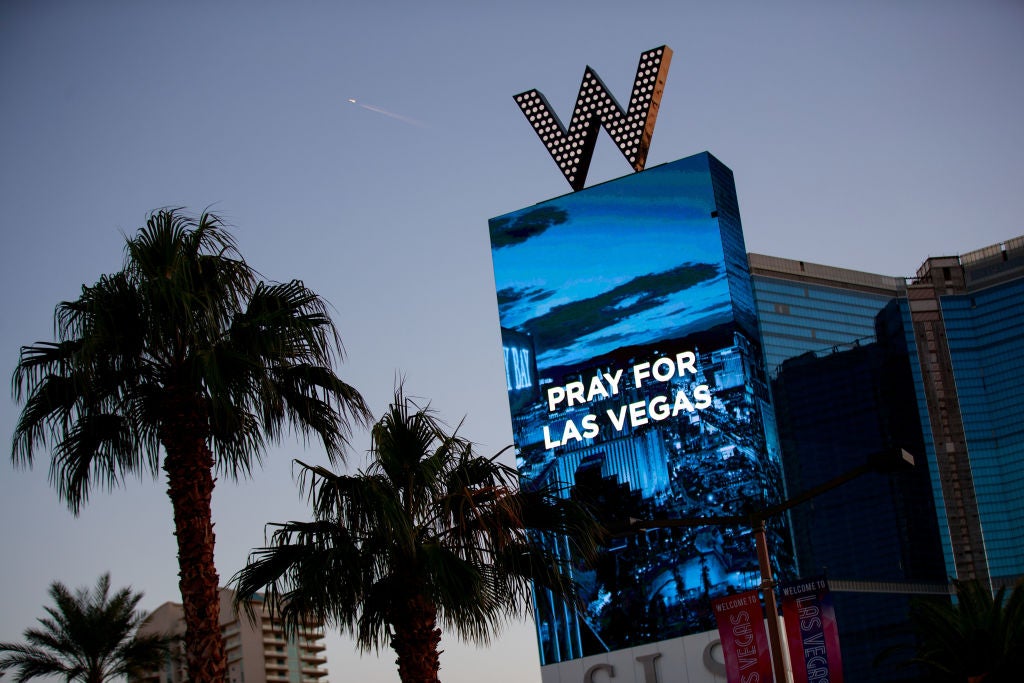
point(385, 112)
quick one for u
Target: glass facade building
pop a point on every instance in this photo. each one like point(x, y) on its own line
point(985, 330)
point(848, 353)
point(806, 307)
point(965, 317)
point(843, 390)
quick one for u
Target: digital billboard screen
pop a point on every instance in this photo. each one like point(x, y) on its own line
point(636, 383)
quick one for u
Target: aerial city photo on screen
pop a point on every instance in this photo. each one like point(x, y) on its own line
point(636, 383)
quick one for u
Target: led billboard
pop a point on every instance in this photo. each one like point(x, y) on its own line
point(636, 382)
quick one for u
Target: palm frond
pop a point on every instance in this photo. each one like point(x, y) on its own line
point(431, 531)
point(49, 409)
point(322, 557)
point(41, 360)
point(89, 635)
point(97, 449)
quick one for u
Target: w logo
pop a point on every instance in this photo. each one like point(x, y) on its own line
point(631, 129)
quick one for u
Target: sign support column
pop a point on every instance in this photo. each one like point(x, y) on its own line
point(770, 604)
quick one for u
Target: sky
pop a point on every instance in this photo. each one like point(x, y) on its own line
point(865, 135)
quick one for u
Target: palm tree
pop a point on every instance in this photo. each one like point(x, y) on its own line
point(976, 639)
point(429, 534)
point(184, 349)
point(89, 636)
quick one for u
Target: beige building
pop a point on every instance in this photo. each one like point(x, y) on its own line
point(258, 650)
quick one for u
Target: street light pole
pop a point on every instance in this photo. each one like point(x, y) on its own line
point(770, 603)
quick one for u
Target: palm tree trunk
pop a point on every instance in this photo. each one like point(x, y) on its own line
point(189, 467)
point(415, 642)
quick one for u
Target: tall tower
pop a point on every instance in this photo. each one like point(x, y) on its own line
point(843, 389)
point(965, 317)
point(258, 649)
point(861, 361)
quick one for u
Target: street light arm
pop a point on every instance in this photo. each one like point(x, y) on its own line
point(835, 482)
point(889, 460)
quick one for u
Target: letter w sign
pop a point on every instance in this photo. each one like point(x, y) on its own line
point(631, 129)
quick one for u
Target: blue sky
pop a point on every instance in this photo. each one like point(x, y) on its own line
point(866, 135)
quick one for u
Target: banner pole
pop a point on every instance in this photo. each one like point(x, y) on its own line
point(770, 604)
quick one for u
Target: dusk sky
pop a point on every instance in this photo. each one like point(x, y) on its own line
point(869, 135)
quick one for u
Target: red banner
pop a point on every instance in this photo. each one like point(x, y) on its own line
point(744, 642)
point(812, 632)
